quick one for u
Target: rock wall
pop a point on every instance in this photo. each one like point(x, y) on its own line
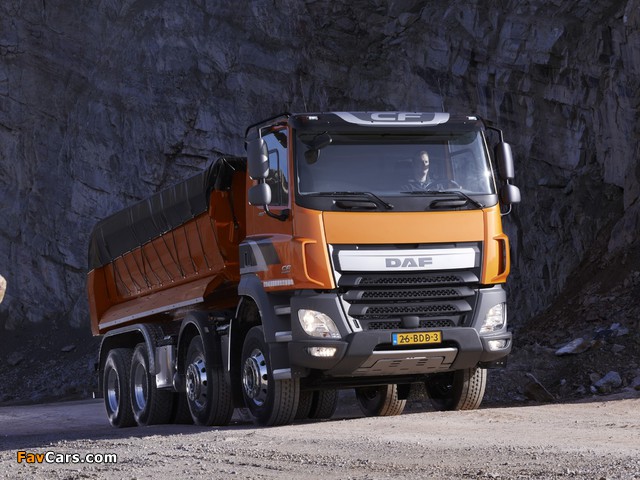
point(103, 103)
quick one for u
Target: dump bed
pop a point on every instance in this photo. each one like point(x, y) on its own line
point(176, 248)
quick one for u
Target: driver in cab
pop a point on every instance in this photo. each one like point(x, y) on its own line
point(420, 167)
point(422, 180)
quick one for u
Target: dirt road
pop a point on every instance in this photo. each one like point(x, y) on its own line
point(599, 439)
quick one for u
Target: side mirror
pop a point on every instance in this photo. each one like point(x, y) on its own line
point(509, 194)
point(504, 159)
point(257, 159)
point(259, 194)
point(319, 142)
point(311, 156)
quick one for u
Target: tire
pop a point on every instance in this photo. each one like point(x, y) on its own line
point(115, 388)
point(208, 392)
point(381, 401)
point(317, 405)
point(150, 406)
point(305, 403)
point(458, 390)
point(271, 402)
point(324, 404)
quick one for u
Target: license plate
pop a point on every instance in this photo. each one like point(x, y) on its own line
point(417, 338)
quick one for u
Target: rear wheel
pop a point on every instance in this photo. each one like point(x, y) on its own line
point(150, 405)
point(380, 401)
point(208, 393)
point(458, 390)
point(115, 385)
point(271, 402)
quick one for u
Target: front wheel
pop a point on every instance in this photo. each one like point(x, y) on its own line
point(458, 390)
point(317, 405)
point(271, 402)
point(380, 401)
point(324, 405)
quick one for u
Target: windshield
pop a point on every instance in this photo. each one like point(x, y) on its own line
point(393, 165)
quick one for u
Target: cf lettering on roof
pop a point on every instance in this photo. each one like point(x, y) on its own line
point(394, 118)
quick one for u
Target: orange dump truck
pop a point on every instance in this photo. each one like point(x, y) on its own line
point(348, 250)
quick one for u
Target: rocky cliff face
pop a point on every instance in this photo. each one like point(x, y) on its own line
point(103, 103)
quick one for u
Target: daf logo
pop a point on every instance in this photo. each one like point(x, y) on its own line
point(408, 262)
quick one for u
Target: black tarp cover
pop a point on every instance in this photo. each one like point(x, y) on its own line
point(140, 223)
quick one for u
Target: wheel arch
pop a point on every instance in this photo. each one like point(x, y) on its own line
point(251, 289)
point(129, 337)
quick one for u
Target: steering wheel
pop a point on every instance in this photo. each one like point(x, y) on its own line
point(442, 184)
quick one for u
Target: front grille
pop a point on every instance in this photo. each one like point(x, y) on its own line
point(396, 325)
point(405, 294)
point(420, 299)
point(406, 279)
point(427, 309)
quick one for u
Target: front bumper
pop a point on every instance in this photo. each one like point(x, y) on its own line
point(371, 353)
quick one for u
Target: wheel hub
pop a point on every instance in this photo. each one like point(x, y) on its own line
point(197, 382)
point(255, 380)
point(113, 391)
point(140, 387)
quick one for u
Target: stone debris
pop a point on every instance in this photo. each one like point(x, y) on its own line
point(594, 377)
point(615, 330)
point(617, 348)
point(619, 330)
point(607, 383)
point(574, 347)
point(534, 390)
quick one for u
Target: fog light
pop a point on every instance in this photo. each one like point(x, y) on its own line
point(497, 344)
point(317, 324)
point(322, 351)
point(496, 318)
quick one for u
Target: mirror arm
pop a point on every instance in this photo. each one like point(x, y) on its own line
point(278, 216)
point(496, 129)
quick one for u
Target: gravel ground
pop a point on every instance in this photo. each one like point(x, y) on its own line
point(595, 439)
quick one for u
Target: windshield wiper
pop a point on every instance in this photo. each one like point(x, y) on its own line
point(457, 193)
point(377, 200)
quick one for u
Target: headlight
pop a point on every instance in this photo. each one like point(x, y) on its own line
point(317, 324)
point(496, 319)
